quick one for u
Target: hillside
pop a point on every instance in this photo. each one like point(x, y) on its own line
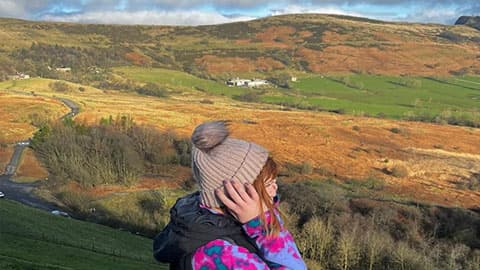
point(433, 156)
point(34, 239)
point(472, 21)
point(291, 43)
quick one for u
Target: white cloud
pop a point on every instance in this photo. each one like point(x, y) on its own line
point(445, 16)
point(148, 17)
point(10, 8)
point(295, 9)
point(182, 12)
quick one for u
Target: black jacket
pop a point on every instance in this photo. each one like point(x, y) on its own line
point(191, 227)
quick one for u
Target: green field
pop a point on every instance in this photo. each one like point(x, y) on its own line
point(34, 239)
point(421, 98)
point(177, 80)
point(386, 95)
point(453, 100)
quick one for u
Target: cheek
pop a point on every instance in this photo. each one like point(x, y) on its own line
point(272, 190)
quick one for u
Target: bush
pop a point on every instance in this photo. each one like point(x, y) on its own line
point(153, 204)
point(249, 96)
point(471, 183)
point(396, 130)
point(375, 245)
point(151, 89)
point(410, 82)
point(116, 152)
point(348, 248)
point(316, 240)
point(374, 183)
point(312, 198)
point(306, 168)
point(76, 201)
point(59, 86)
point(399, 171)
point(282, 80)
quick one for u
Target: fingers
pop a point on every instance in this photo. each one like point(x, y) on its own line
point(233, 191)
point(242, 201)
point(241, 189)
point(225, 200)
point(252, 192)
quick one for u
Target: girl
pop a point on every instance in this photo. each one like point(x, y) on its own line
point(232, 221)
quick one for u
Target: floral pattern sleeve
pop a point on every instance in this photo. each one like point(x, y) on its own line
point(277, 252)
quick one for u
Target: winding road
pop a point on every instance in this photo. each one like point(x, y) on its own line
point(22, 192)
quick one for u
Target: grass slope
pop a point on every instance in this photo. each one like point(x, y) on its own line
point(389, 96)
point(33, 239)
point(177, 80)
point(386, 95)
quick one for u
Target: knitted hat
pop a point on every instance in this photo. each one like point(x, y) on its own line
point(216, 158)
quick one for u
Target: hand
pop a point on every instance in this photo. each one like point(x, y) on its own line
point(244, 202)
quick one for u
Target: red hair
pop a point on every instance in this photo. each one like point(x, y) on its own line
point(269, 171)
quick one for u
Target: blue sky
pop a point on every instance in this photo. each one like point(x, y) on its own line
point(197, 12)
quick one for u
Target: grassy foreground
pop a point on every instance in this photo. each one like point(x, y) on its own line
point(33, 239)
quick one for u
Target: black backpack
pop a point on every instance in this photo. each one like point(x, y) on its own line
point(191, 227)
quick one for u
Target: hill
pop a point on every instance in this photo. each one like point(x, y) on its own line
point(291, 43)
point(335, 146)
point(472, 21)
point(34, 239)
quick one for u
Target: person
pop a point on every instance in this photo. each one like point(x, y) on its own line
point(232, 221)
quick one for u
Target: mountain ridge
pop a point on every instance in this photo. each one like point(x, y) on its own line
point(310, 43)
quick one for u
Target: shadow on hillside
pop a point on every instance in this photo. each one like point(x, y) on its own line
point(451, 83)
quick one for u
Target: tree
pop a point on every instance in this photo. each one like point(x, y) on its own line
point(281, 80)
point(376, 242)
point(316, 240)
point(348, 250)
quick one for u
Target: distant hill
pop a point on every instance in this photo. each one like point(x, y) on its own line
point(34, 239)
point(472, 21)
point(312, 43)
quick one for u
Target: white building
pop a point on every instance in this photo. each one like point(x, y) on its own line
point(64, 69)
point(19, 76)
point(256, 83)
point(237, 82)
point(246, 82)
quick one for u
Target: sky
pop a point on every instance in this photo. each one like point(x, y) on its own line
point(200, 12)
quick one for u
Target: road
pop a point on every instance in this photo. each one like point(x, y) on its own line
point(22, 192)
point(14, 160)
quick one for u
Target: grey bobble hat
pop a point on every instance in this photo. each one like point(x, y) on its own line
point(216, 157)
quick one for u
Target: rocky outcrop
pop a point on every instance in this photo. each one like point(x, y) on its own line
point(472, 21)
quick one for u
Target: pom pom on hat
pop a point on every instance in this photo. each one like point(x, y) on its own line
point(210, 134)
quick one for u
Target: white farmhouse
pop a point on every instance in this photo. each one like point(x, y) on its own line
point(19, 76)
point(64, 69)
point(246, 82)
point(256, 83)
point(237, 82)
